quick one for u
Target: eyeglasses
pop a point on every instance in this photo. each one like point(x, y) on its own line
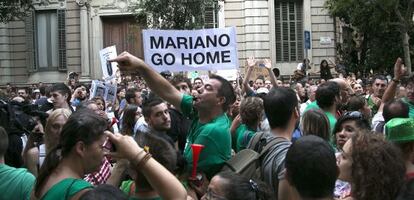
point(354, 114)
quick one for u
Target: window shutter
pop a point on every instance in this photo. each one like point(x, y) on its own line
point(30, 46)
point(289, 31)
point(61, 15)
point(210, 16)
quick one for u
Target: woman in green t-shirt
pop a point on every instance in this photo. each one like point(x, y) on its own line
point(78, 152)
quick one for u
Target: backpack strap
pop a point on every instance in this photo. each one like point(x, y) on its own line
point(254, 141)
point(270, 144)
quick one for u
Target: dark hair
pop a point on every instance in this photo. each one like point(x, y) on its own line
point(62, 89)
point(237, 187)
point(226, 90)
point(83, 126)
point(149, 103)
point(104, 192)
point(279, 105)
point(42, 90)
point(130, 94)
point(128, 119)
point(378, 168)
point(326, 94)
point(161, 150)
point(407, 191)
point(356, 103)
point(84, 105)
point(179, 78)
point(78, 85)
point(311, 167)
point(324, 61)
point(409, 79)
point(4, 141)
point(379, 77)
point(99, 98)
point(356, 116)
point(198, 78)
point(394, 109)
point(315, 122)
point(251, 111)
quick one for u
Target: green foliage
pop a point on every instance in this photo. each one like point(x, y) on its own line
point(12, 9)
point(381, 27)
point(172, 14)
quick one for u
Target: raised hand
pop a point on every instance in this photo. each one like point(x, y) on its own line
point(251, 62)
point(126, 147)
point(398, 69)
point(267, 63)
point(128, 62)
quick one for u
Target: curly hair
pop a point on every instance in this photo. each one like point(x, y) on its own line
point(251, 110)
point(378, 168)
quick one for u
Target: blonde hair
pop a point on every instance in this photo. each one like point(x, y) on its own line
point(52, 117)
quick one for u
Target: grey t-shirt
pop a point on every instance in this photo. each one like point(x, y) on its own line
point(273, 165)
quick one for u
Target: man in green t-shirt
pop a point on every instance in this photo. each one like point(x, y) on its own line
point(328, 98)
point(14, 183)
point(210, 126)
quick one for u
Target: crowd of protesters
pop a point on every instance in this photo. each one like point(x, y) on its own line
point(339, 136)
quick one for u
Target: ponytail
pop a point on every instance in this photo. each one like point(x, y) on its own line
point(49, 165)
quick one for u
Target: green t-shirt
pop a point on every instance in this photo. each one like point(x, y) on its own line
point(66, 189)
point(332, 121)
point(374, 108)
point(410, 107)
point(15, 183)
point(331, 118)
point(242, 137)
point(214, 135)
point(313, 105)
point(126, 187)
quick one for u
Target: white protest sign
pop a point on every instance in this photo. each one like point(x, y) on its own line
point(98, 88)
point(110, 93)
point(109, 69)
point(190, 50)
point(105, 90)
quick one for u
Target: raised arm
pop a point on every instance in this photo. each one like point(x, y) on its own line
point(165, 183)
point(273, 79)
point(251, 62)
point(389, 93)
point(158, 84)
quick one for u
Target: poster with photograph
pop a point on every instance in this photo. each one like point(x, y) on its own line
point(98, 88)
point(109, 69)
point(110, 94)
point(105, 90)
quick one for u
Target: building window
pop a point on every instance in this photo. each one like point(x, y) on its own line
point(211, 16)
point(289, 31)
point(49, 40)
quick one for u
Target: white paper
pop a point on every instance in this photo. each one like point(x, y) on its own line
point(191, 50)
point(109, 69)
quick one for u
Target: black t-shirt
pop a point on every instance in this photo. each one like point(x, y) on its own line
point(180, 125)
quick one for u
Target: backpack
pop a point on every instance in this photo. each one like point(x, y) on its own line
point(248, 162)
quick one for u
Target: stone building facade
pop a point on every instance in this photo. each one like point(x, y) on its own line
point(62, 36)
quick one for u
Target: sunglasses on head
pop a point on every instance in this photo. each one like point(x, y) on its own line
point(354, 114)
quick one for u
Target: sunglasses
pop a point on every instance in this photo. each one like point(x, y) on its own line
point(354, 114)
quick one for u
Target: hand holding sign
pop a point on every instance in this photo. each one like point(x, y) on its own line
point(128, 62)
